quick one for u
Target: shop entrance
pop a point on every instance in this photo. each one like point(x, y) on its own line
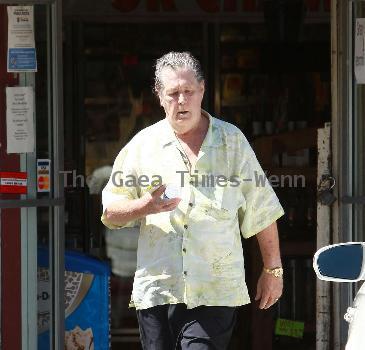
point(266, 73)
point(31, 198)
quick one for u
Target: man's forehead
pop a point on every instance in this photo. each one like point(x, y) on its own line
point(179, 76)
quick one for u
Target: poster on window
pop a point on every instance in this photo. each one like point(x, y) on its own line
point(87, 302)
point(19, 119)
point(359, 57)
point(21, 45)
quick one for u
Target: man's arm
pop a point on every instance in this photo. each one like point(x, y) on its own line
point(269, 287)
point(121, 212)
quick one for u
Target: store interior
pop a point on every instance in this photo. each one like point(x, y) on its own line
point(269, 75)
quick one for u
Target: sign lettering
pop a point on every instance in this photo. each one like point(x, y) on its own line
point(206, 6)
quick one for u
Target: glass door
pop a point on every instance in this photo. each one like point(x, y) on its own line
point(349, 134)
point(31, 195)
point(358, 120)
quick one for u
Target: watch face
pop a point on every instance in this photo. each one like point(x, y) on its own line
point(278, 272)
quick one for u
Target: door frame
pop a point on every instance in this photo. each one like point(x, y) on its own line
point(343, 109)
point(56, 202)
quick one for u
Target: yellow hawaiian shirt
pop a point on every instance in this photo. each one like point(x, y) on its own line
point(193, 254)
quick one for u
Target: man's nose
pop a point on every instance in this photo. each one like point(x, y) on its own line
point(181, 99)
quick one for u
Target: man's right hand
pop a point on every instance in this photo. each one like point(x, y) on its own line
point(121, 212)
point(153, 204)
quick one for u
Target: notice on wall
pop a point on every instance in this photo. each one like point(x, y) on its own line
point(21, 44)
point(359, 57)
point(19, 119)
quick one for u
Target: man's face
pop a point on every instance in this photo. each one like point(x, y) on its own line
point(181, 97)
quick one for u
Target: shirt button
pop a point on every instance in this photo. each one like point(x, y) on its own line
point(184, 250)
point(185, 273)
point(191, 204)
point(185, 227)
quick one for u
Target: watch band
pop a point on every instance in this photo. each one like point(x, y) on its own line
point(276, 271)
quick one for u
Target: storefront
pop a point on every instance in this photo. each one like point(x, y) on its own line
point(32, 209)
point(268, 71)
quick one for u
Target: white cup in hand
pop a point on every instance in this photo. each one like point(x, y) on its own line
point(172, 191)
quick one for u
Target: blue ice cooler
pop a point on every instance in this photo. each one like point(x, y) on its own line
point(87, 302)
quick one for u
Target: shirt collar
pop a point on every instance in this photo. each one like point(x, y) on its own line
point(168, 135)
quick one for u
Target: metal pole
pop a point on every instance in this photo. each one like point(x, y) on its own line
point(58, 264)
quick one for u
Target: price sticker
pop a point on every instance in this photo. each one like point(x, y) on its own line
point(294, 329)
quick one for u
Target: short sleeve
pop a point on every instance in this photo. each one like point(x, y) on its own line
point(120, 185)
point(262, 206)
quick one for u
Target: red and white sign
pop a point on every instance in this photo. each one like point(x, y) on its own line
point(199, 9)
point(13, 182)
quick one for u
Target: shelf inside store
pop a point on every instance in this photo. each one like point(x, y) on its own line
point(106, 53)
point(290, 141)
point(102, 51)
point(276, 58)
point(100, 101)
point(296, 139)
point(264, 43)
point(237, 102)
point(242, 70)
point(309, 173)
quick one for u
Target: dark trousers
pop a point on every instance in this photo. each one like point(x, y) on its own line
point(170, 327)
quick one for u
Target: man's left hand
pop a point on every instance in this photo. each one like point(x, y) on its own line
point(269, 290)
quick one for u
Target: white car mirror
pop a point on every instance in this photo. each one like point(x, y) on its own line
point(342, 262)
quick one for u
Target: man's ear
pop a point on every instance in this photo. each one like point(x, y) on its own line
point(160, 98)
point(202, 86)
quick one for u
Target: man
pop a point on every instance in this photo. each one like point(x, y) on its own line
point(190, 267)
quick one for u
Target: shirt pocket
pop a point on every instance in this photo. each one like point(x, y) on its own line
point(223, 202)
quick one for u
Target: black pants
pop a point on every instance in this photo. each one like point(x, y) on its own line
point(169, 327)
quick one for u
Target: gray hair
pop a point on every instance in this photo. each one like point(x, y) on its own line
point(176, 60)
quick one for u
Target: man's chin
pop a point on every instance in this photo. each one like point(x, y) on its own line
point(182, 126)
point(183, 123)
point(183, 120)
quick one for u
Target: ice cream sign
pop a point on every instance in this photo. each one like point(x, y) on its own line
point(87, 302)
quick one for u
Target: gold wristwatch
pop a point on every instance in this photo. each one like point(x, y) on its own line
point(276, 271)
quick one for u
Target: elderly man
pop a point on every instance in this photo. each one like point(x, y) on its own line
point(190, 267)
